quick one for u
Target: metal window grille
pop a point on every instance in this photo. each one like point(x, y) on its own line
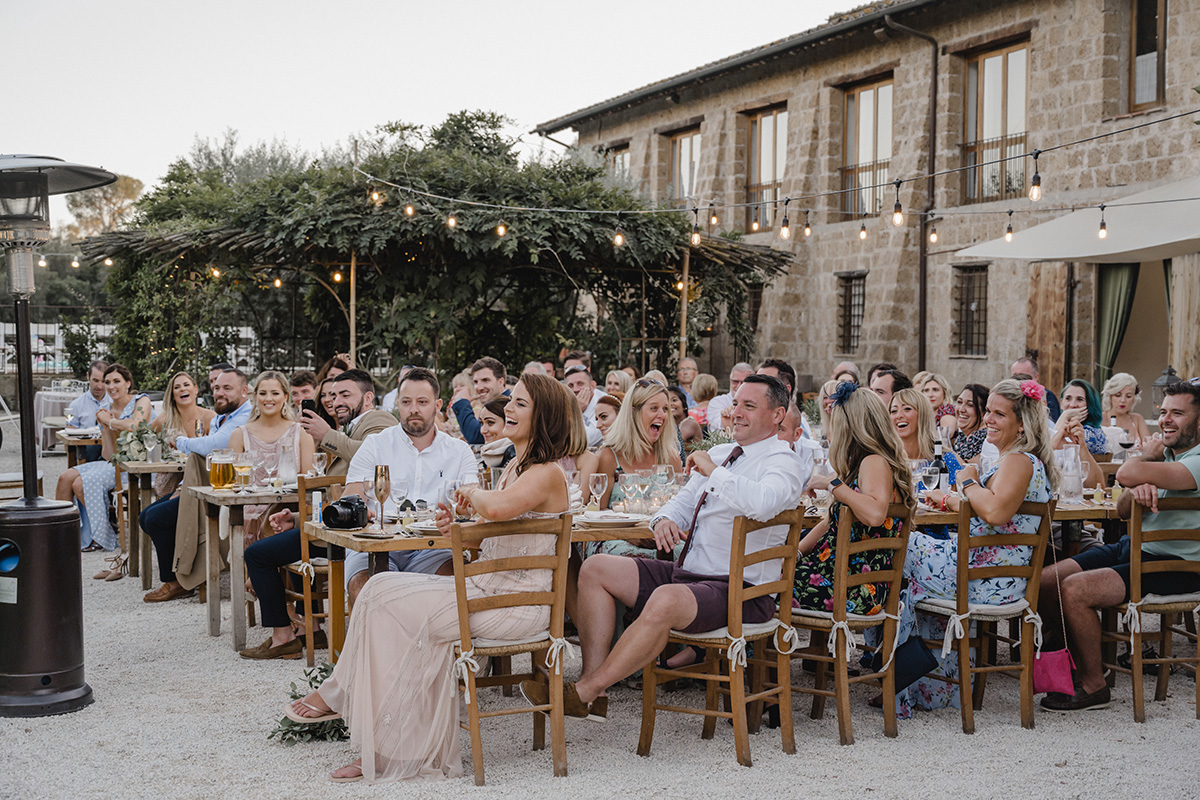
point(970, 311)
point(852, 292)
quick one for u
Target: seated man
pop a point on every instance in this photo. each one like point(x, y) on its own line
point(83, 408)
point(389, 400)
point(723, 402)
point(354, 406)
point(488, 376)
point(579, 381)
point(758, 477)
point(1099, 578)
point(304, 387)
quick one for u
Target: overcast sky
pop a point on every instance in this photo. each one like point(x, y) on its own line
point(129, 84)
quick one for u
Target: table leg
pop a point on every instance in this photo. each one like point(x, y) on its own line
point(337, 602)
point(131, 526)
point(71, 460)
point(233, 520)
point(213, 544)
point(377, 561)
point(1072, 534)
point(144, 539)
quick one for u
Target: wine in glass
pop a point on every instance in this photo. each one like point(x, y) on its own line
point(382, 488)
point(69, 415)
point(319, 460)
point(404, 506)
point(597, 483)
point(243, 463)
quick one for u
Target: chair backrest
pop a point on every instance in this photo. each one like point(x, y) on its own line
point(1103, 458)
point(334, 484)
point(1139, 536)
point(843, 549)
point(464, 538)
point(1031, 572)
point(739, 559)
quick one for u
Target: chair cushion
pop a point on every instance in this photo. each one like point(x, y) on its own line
point(758, 629)
point(482, 643)
point(1150, 601)
point(946, 608)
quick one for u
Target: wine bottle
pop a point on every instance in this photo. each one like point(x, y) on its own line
point(943, 479)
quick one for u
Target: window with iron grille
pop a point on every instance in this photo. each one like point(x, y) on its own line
point(866, 147)
point(852, 292)
point(764, 171)
point(970, 311)
point(994, 113)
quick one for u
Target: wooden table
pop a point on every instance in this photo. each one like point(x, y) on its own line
point(220, 512)
point(141, 495)
point(72, 442)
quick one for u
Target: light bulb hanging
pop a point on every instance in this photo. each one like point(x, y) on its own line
point(862, 231)
point(41, 261)
point(409, 209)
point(1103, 228)
point(897, 211)
point(337, 276)
point(807, 226)
point(108, 262)
point(501, 229)
point(1035, 183)
point(695, 225)
point(785, 231)
point(618, 234)
point(278, 282)
point(712, 214)
point(1008, 230)
point(75, 262)
point(933, 237)
point(216, 273)
point(451, 221)
point(754, 223)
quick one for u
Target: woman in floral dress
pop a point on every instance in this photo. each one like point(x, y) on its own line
point(1016, 423)
point(866, 449)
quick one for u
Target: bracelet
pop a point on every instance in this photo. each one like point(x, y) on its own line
point(944, 506)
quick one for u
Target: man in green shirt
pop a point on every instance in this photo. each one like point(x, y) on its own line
point(1099, 578)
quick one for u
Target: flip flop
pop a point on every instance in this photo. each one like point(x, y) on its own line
point(347, 778)
point(325, 716)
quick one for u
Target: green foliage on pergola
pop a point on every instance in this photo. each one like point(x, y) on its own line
point(426, 292)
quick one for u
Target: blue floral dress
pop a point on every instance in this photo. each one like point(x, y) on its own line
point(1097, 442)
point(931, 570)
point(99, 478)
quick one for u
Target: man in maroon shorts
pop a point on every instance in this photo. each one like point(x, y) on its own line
point(759, 477)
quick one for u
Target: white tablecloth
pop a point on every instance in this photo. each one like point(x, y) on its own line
point(50, 404)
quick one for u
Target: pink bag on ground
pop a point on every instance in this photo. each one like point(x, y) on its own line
point(1052, 672)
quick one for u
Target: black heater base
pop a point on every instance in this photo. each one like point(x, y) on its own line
point(41, 610)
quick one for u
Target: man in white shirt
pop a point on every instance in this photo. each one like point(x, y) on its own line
point(83, 408)
point(579, 381)
point(758, 477)
point(420, 460)
point(723, 401)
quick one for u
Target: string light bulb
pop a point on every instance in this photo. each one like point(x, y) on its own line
point(897, 210)
point(1008, 230)
point(712, 214)
point(1035, 183)
point(862, 231)
point(501, 229)
point(108, 262)
point(216, 273)
point(337, 276)
point(451, 221)
point(1103, 228)
point(754, 224)
point(785, 231)
point(619, 237)
point(41, 261)
point(75, 262)
point(807, 226)
point(679, 286)
point(409, 209)
point(278, 282)
point(933, 237)
point(695, 225)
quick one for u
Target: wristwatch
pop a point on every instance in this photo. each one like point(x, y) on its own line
point(968, 482)
point(836, 482)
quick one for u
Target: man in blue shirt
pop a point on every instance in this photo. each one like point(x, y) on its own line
point(83, 409)
point(488, 375)
point(171, 523)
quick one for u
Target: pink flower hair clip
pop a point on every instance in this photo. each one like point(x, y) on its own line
point(1033, 390)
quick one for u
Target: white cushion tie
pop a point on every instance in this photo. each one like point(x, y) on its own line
point(954, 630)
point(895, 638)
point(844, 627)
point(306, 569)
point(1034, 619)
point(791, 637)
point(463, 667)
point(737, 654)
point(1132, 617)
point(559, 650)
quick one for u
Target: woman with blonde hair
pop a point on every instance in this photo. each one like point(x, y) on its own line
point(617, 380)
point(179, 417)
point(827, 391)
point(912, 417)
point(872, 473)
point(937, 391)
point(1121, 394)
point(1017, 424)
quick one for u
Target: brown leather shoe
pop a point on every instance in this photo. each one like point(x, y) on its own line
point(288, 650)
point(166, 592)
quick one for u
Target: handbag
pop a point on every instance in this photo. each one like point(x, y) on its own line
point(1053, 669)
point(913, 660)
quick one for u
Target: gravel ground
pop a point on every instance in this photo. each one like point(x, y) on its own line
point(177, 713)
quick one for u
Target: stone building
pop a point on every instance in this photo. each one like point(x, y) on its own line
point(798, 126)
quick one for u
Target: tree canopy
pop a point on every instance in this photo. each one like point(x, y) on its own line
point(210, 241)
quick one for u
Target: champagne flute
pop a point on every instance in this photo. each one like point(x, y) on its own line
point(382, 487)
point(319, 460)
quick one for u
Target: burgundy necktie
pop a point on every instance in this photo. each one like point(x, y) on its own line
point(734, 455)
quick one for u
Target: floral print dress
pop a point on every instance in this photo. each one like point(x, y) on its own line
point(931, 569)
point(814, 573)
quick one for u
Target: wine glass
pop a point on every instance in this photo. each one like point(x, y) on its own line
point(69, 415)
point(319, 461)
point(404, 506)
point(664, 474)
point(446, 496)
point(270, 465)
point(242, 464)
point(597, 483)
point(382, 487)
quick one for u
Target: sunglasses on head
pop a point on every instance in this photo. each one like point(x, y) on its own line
point(646, 383)
point(571, 370)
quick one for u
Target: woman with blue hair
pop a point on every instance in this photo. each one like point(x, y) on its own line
point(1080, 420)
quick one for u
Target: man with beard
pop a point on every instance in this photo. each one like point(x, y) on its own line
point(421, 460)
point(354, 405)
point(1099, 577)
point(172, 523)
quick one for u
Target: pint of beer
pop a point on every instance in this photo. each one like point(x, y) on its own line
point(220, 469)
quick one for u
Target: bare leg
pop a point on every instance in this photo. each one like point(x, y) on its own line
point(1083, 594)
point(1048, 597)
point(670, 606)
point(351, 770)
point(315, 701)
point(602, 579)
point(282, 635)
point(357, 582)
point(64, 490)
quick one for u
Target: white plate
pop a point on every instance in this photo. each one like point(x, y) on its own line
point(611, 520)
point(425, 526)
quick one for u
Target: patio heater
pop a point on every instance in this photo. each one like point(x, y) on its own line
point(41, 595)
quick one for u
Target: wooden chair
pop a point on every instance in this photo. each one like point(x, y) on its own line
point(1102, 458)
point(1165, 606)
point(465, 538)
point(959, 611)
point(120, 499)
point(838, 624)
point(310, 574)
point(727, 674)
point(15, 480)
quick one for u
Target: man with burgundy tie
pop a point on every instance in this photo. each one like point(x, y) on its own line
point(758, 477)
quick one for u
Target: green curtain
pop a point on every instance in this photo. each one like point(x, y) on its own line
point(1167, 277)
point(1117, 285)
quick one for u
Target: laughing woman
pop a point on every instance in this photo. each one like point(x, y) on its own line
point(180, 417)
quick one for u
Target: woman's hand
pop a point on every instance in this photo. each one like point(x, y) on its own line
point(462, 499)
point(818, 483)
point(444, 519)
point(969, 471)
point(940, 500)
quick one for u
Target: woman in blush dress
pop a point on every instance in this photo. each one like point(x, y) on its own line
point(394, 683)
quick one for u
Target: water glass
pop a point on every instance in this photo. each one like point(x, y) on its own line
point(597, 484)
point(320, 460)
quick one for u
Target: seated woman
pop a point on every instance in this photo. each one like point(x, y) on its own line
point(89, 484)
point(687, 430)
point(617, 380)
point(334, 367)
point(1079, 423)
point(1121, 395)
point(325, 398)
point(271, 428)
point(937, 391)
point(405, 717)
point(912, 417)
point(606, 411)
point(1017, 424)
point(642, 437)
point(704, 388)
point(872, 472)
point(968, 440)
point(491, 427)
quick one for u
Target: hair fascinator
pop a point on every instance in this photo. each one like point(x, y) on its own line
point(843, 391)
point(1033, 390)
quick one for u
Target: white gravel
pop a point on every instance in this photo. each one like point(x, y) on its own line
point(179, 715)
